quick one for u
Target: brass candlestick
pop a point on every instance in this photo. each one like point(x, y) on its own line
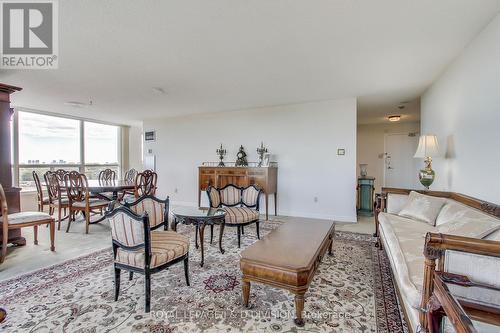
point(221, 152)
point(261, 151)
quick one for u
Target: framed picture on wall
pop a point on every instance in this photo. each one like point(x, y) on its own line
point(150, 136)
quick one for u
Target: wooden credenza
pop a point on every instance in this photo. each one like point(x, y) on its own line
point(264, 177)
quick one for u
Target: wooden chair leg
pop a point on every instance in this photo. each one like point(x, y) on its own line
point(70, 218)
point(52, 235)
point(35, 231)
point(239, 236)
point(130, 275)
point(257, 227)
point(242, 230)
point(117, 283)
point(211, 233)
point(186, 270)
point(59, 218)
point(5, 238)
point(87, 221)
point(147, 289)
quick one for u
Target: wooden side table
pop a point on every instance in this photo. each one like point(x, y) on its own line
point(461, 313)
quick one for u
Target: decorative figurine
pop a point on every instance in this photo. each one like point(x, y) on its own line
point(261, 151)
point(241, 157)
point(363, 170)
point(221, 152)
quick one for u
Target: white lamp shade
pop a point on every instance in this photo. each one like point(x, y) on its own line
point(427, 146)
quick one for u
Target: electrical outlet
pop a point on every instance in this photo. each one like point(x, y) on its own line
point(176, 190)
point(340, 151)
point(315, 199)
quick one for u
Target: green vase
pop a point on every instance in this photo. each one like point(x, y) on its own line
point(426, 177)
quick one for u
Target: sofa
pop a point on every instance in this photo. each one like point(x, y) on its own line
point(423, 231)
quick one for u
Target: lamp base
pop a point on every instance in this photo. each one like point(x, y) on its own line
point(426, 177)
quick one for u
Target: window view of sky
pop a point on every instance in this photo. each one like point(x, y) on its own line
point(53, 140)
point(101, 143)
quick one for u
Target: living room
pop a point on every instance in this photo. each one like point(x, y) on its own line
point(340, 153)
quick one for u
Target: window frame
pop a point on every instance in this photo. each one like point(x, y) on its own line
point(82, 165)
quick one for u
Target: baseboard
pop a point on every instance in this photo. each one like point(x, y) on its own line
point(344, 219)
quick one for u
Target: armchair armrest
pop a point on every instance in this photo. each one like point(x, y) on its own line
point(436, 246)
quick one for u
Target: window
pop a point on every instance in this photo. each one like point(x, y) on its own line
point(101, 148)
point(52, 142)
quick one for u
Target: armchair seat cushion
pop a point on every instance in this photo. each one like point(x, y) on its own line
point(165, 247)
point(240, 215)
point(93, 203)
point(28, 217)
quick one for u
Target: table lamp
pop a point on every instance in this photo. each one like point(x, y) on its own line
point(427, 149)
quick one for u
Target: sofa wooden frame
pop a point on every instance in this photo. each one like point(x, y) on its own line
point(436, 245)
point(240, 226)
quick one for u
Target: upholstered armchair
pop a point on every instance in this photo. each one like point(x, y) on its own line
point(241, 205)
point(138, 249)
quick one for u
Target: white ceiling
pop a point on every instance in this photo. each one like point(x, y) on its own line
point(222, 55)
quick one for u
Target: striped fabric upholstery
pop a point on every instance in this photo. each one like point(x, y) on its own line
point(125, 230)
point(237, 215)
point(249, 196)
point(230, 195)
point(155, 210)
point(165, 247)
point(214, 197)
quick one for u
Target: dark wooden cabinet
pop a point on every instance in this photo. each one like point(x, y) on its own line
point(12, 193)
point(264, 177)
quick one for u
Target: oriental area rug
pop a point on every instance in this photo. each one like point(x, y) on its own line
point(352, 291)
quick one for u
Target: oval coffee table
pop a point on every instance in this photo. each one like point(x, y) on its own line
point(200, 217)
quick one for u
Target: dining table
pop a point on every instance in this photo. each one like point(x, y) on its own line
point(113, 186)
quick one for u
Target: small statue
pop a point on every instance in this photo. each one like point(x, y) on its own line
point(241, 157)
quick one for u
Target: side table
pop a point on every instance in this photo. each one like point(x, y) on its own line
point(200, 217)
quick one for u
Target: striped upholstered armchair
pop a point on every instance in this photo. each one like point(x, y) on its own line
point(241, 205)
point(138, 249)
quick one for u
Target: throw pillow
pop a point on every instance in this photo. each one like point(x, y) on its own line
point(422, 207)
point(468, 227)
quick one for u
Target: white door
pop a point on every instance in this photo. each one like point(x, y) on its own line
point(400, 170)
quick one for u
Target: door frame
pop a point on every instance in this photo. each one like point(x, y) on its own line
point(385, 150)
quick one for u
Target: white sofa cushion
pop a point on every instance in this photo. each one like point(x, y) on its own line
point(422, 207)
point(395, 202)
point(469, 227)
point(405, 240)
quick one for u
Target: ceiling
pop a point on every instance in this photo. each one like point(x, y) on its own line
point(223, 55)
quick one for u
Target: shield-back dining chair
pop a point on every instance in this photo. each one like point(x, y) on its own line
point(22, 220)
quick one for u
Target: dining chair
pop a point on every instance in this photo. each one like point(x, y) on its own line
point(39, 193)
point(145, 183)
point(22, 220)
point(79, 198)
point(60, 173)
point(57, 199)
point(106, 175)
point(130, 175)
point(138, 249)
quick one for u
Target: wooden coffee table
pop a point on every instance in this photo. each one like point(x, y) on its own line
point(287, 258)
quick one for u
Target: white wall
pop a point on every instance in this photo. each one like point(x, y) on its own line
point(463, 109)
point(303, 138)
point(135, 148)
point(370, 145)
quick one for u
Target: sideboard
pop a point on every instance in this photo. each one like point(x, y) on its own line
point(265, 178)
